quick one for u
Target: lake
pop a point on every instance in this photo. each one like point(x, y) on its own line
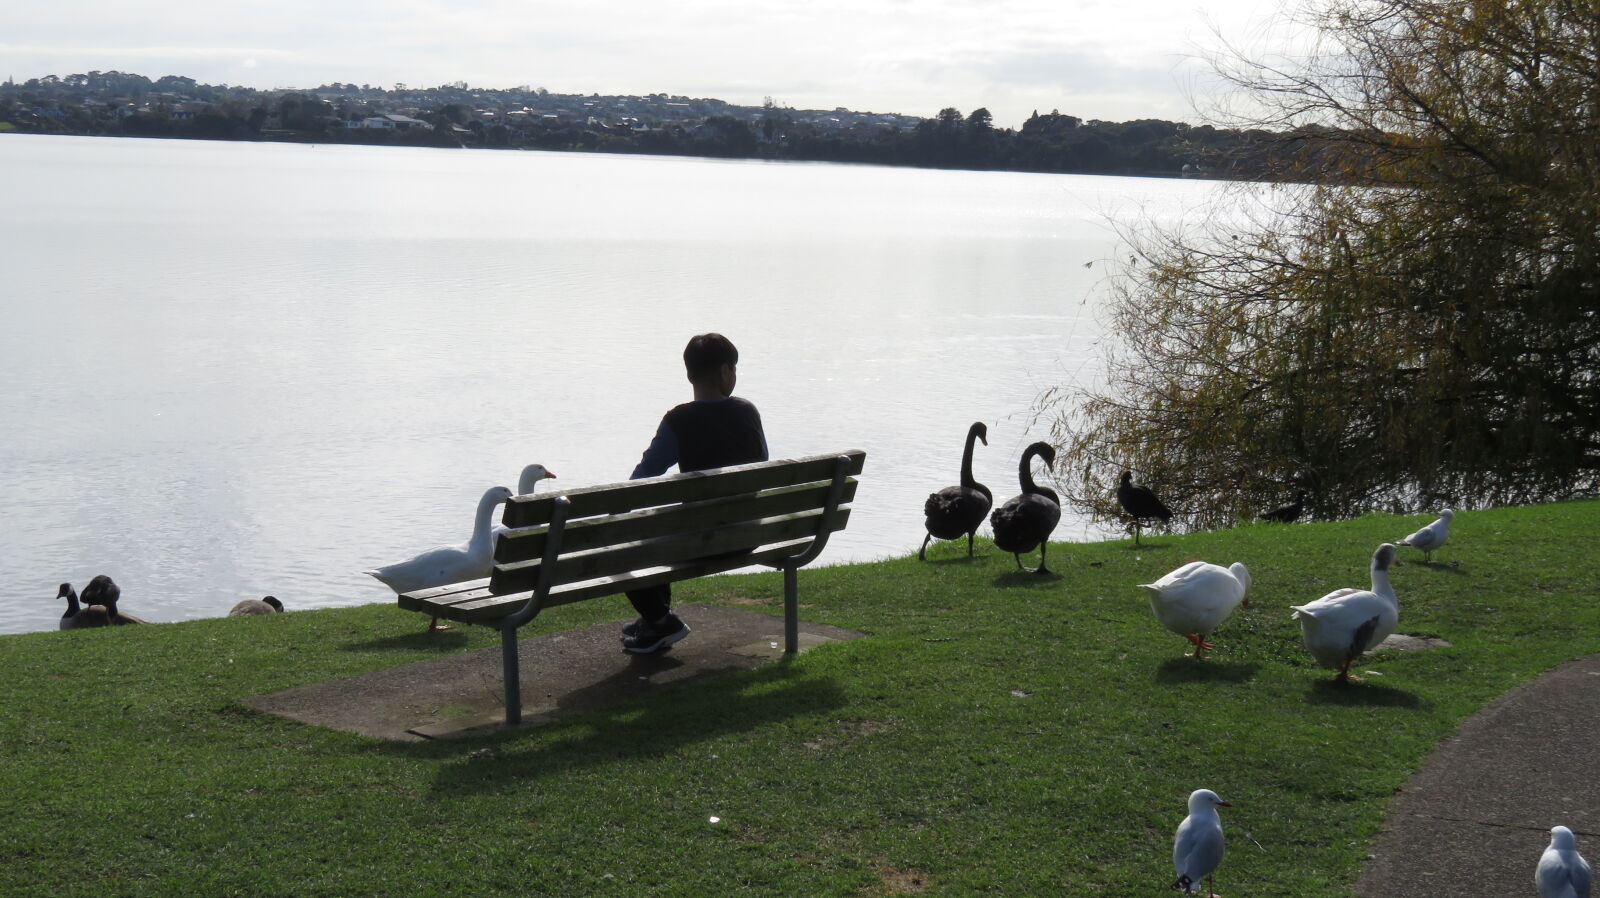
point(235, 369)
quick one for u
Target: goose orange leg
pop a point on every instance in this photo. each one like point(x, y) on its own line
point(1200, 644)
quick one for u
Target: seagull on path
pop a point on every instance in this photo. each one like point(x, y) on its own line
point(1562, 871)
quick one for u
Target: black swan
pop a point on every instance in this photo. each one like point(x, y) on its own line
point(102, 590)
point(1288, 513)
point(1140, 503)
point(78, 617)
point(955, 510)
point(1026, 520)
point(265, 605)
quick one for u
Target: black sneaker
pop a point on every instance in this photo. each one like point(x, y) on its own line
point(633, 628)
point(653, 637)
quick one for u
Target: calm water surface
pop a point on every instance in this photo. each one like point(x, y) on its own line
point(236, 369)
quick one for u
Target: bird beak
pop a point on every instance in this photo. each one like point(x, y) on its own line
point(549, 475)
point(1224, 804)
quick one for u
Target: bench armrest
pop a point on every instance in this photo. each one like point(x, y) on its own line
point(552, 549)
point(841, 473)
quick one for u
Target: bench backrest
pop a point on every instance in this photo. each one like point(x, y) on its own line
point(621, 527)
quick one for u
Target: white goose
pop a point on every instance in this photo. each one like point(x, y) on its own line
point(1196, 598)
point(1430, 537)
point(1341, 625)
point(527, 483)
point(1562, 871)
point(530, 477)
point(449, 564)
point(1198, 845)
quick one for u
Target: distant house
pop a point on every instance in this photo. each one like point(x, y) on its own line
point(394, 122)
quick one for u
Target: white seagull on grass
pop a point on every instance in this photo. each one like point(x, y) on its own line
point(1430, 537)
point(1197, 848)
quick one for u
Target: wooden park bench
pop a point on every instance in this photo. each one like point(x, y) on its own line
point(598, 541)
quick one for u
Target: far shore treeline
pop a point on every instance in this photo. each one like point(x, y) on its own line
point(131, 105)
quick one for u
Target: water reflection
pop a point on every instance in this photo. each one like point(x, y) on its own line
point(242, 369)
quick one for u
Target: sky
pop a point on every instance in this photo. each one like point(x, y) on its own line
point(1108, 59)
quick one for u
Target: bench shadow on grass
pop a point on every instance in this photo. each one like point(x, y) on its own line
point(1188, 669)
point(1325, 691)
point(438, 640)
point(652, 725)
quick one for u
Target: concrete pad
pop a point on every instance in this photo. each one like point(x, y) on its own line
point(1480, 809)
point(1405, 642)
point(561, 674)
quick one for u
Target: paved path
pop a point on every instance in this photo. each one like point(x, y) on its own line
point(1477, 815)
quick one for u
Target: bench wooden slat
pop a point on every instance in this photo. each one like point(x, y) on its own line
point(528, 544)
point(423, 598)
point(474, 603)
point(693, 545)
point(630, 495)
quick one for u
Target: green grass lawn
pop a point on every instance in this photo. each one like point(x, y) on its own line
point(999, 733)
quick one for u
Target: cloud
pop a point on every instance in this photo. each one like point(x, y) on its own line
point(177, 53)
point(1112, 59)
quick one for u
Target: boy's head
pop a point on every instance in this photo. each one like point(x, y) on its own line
point(710, 360)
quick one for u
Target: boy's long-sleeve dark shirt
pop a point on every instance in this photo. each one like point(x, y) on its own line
point(705, 433)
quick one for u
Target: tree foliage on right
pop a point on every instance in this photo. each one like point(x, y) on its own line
point(1419, 325)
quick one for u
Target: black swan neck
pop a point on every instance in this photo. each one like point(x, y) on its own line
point(973, 433)
point(1024, 470)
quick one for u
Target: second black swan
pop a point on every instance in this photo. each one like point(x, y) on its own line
point(1027, 520)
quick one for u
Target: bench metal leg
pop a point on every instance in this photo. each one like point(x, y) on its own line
point(508, 626)
point(791, 610)
point(513, 678)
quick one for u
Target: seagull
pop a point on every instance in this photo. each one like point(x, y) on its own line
point(1430, 537)
point(1198, 845)
point(1562, 871)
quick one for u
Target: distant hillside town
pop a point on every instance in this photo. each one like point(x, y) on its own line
point(455, 115)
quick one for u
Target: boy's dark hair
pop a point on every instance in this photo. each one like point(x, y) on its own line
point(706, 354)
